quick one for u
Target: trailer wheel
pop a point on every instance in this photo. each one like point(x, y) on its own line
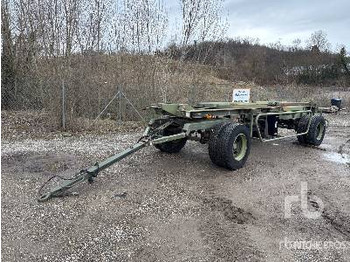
point(172, 146)
point(317, 130)
point(301, 128)
point(232, 146)
point(213, 143)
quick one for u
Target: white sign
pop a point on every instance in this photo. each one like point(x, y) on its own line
point(241, 95)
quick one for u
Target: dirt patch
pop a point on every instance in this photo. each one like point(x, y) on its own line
point(17, 125)
point(231, 212)
point(49, 163)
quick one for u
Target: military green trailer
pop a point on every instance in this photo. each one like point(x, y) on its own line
point(226, 127)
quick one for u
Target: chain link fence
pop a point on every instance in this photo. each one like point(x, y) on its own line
point(108, 87)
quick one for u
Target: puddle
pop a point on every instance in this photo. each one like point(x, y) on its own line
point(337, 158)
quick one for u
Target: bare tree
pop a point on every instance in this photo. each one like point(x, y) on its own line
point(71, 18)
point(191, 15)
point(318, 41)
point(139, 25)
point(202, 20)
point(296, 44)
point(7, 58)
point(93, 20)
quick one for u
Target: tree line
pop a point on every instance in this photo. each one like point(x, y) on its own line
point(245, 59)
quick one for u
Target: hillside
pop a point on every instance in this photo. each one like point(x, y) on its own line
point(245, 60)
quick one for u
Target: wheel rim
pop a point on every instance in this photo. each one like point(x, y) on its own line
point(319, 131)
point(240, 147)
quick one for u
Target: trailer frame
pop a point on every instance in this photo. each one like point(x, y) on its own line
point(197, 122)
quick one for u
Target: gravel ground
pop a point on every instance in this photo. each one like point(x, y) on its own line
point(159, 207)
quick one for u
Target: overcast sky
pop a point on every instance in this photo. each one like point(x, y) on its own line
point(285, 20)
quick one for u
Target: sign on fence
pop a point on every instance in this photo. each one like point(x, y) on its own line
point(241, 95)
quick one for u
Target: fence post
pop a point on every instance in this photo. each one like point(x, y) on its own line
point(63, 106)
point(119, 104)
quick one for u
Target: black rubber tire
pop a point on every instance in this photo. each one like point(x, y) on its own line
point(315, 136)
point(301, 128)
point(224, 146)
point(172, 146)
point(212, 145)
